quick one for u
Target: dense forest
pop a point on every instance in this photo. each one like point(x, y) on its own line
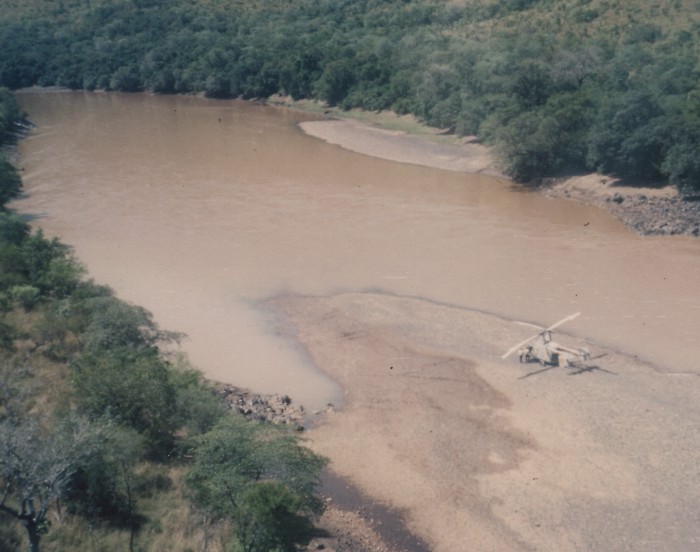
point(557, 86)
point(107, 442)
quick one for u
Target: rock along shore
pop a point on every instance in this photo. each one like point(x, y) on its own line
point(276, 408)
point(649, 211)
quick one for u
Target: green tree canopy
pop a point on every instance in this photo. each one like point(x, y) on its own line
point(259, 477)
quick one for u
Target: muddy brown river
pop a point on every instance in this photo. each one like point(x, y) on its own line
point(198, 209)
point(210, 213)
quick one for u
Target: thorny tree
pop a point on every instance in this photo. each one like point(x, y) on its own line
point(37, 462)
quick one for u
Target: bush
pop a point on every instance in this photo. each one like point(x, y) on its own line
point(10, 183)
point(12, 229)
point(525, 146)
point(103, 486)
point(26, 296)
point(629, 137)
point(50, 266)
point(682, 166)
point(112, 324)
point(257, 476)
point(269, 519)
point(130, 387)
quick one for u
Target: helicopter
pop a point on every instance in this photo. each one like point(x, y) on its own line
point(546, 351)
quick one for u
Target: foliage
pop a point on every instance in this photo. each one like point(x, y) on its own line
point(10, 115)
point(36, 465)
point(268, 519)
point(10, 183)
point(130, 387)
point(111, 324)
point(25, 295)
point(197, 407)
point(490, 68)
point(105, 486)
point(260, 478)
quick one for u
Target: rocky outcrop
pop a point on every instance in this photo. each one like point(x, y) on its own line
point(657, 215)
point(650, 211)
point(278, 409)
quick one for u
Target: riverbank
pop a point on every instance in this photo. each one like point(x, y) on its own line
point(647, 210)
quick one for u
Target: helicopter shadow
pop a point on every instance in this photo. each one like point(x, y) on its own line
point(582, 369)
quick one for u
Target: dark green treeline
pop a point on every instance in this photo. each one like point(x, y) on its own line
point(558, 86)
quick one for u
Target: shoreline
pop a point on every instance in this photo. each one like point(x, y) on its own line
point(647, 210)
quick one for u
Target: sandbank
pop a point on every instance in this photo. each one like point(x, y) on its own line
point(480, 453)
point(400, 146)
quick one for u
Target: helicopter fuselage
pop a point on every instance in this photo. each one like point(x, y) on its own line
point(546, 351)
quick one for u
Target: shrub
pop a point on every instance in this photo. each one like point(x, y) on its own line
point(27, 296)
point(10, 183)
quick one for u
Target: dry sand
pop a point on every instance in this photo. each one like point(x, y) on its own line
point(479, 453)
point(484, 454)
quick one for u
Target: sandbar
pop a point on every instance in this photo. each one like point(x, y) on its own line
point(480, 453)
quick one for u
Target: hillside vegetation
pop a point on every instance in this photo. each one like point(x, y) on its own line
point(558, 86)
point(106, 442)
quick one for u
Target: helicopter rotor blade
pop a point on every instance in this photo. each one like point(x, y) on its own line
point(530, 325)
point(570, 317)
point(515, 348)
point(556, 325)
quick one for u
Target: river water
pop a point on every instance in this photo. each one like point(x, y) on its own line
point(200, 209)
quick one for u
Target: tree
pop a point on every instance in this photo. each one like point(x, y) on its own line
point(268, 519)
point(49, 265)
point(10, 115)
point(335, 82)
point(571, 67)
point(526, 146)
point(259, 477)
point(682, 165)
point(132, 388)
point(629, 136)
point(10, 183)
point(197, 407)
point(114, 324)
point(104, 486)
point(36, 466)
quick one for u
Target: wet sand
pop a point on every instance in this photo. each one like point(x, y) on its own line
point(402, 147)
